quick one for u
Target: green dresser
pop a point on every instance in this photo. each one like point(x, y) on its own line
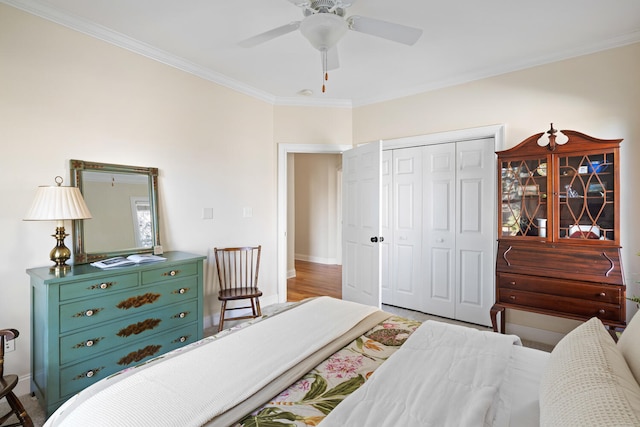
point(90, 323)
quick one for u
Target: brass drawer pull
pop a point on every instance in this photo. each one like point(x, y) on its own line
point(602, 311)
point(603, 294)
point(138, 301)
point(88, 313)
point(513, 297)
point(138, 355)
point(138, 328)
point(90, 373)
point(180, 315)
point(101, 286)
point(512, 283)
point(171, 273)
point(88, 343)
point(181, 339)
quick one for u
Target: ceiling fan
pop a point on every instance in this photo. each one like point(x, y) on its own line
point(324, 24)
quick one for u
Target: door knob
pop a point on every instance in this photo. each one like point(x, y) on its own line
point(374, 239)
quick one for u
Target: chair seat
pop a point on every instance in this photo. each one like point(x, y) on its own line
point(7, 383)
point(239, 293)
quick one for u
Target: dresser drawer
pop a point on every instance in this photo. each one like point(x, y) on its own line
point(94, 341)
point(579, 290)
point(98, 287)
point(554, 304)
point(78, 376)
point(89, 313)
point(168, 272)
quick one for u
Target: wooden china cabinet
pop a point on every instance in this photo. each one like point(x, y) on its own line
point(559, 229)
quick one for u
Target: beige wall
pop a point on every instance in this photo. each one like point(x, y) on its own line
point(64, 95)
point(598, 94)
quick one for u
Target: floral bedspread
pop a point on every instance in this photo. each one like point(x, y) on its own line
point(310, 399)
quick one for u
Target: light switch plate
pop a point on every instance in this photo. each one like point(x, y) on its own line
point(9, 346)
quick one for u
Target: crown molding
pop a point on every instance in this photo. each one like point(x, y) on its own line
point(112, 37)
point(601, 45)
point(136, 46)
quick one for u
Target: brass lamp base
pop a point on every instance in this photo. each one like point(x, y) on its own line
point(60, 254)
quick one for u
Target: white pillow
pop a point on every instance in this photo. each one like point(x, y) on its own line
point(588, 383)
point(629, 345)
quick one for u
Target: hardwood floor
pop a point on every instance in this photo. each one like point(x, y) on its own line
point(314, 280)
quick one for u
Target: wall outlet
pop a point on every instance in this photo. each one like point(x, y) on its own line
point(9, 346)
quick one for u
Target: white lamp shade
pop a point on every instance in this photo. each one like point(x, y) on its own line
point(58, 203)
point(323, 30)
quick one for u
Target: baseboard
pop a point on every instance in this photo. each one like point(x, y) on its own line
point(291, 273)
point(317, 260)
point(533, 334)
point(24, 386)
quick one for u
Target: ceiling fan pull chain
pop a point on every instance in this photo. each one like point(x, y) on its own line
point(325, 73)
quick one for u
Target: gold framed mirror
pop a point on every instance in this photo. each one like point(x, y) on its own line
point(124, 203)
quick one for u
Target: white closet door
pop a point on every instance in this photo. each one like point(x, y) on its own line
point(407, 227)
point(439, 239)
point(386, 215)
point(475, 230)
point(361, 224)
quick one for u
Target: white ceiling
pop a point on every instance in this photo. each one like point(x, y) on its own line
point(463, 40)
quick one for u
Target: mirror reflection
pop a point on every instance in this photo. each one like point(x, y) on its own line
point(122, 200)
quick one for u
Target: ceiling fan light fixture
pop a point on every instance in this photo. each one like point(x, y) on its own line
point(323, 30)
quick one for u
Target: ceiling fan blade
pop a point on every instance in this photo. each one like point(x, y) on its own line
point(270, 35)
point(333, 62)
point(387, 30)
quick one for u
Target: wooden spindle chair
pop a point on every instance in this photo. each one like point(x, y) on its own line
point(8, 383)
point(238, 277)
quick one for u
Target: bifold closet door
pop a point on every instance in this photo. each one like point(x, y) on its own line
point(475, 230)
point(438, 231)
point(402, 227)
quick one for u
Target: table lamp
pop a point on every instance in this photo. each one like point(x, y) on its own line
point(58, 203)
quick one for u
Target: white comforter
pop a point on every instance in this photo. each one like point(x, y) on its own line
point(193, 388)
point(444, 375)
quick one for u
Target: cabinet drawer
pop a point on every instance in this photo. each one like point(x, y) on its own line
point(579, 290)
point(98, 287)
point(90, 313)
point(94, 341)
point(76, 377)
point(554, 304)
point(168, 272)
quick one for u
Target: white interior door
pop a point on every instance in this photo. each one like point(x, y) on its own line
point(386, 215)
point(361, 224)
point(475, 230)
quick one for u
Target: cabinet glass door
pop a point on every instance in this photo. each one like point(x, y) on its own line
point(587, 197)
point(524, 198)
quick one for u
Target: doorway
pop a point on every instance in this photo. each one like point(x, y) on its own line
point(285, 259)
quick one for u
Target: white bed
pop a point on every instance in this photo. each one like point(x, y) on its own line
point(441, 375)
